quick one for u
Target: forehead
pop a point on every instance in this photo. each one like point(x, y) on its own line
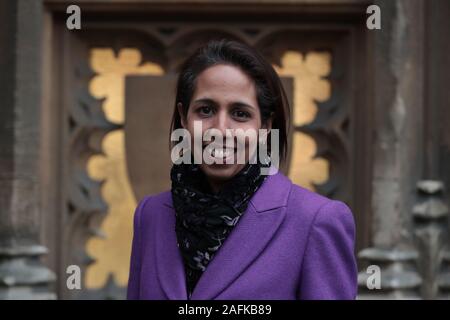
point(225, 82)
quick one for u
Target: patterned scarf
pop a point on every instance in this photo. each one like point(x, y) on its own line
point(204, 219)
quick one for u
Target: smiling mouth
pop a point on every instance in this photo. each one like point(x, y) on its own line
point(224, 153)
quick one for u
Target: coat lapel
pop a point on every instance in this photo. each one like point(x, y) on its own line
point(245, 242)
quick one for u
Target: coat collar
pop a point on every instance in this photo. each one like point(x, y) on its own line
point(245, 242)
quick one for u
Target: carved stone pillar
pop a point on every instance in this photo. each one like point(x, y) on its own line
point(431, 224)
point(444, 276)
point(22, 275)
point(398, 148)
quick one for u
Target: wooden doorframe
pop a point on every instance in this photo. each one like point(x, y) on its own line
point(61, 46)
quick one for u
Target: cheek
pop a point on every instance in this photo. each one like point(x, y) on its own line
point(251, 141)
point(197, 126)
point(252, 124)
point(191, 120)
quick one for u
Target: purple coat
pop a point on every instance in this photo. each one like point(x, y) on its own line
point(291, 243)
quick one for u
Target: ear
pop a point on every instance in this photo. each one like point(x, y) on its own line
point(180, 112)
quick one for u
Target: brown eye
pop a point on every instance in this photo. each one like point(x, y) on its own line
point(205, 110)
point(241, 115)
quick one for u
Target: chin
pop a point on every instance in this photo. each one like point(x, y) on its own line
point(221, 171)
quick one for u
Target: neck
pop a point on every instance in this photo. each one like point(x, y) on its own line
point(215, 185)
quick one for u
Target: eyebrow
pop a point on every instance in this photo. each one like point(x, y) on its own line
point(234, 104)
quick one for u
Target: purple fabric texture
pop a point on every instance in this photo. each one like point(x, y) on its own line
point(290, 244)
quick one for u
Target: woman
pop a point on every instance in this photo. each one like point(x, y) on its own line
point(225, 230)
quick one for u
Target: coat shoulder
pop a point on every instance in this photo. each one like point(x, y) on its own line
point(306, 205)
point(151, 205)
point(300, 195)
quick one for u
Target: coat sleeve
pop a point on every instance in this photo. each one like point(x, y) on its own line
point(329, 269)
point(135, 259)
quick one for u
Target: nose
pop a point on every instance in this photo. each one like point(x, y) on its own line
point(221, 122)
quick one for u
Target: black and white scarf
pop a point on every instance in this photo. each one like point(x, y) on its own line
point(204, 219)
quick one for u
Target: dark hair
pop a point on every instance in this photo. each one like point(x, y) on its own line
point(271, 97)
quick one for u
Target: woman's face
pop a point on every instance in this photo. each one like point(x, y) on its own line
point(224, 98)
